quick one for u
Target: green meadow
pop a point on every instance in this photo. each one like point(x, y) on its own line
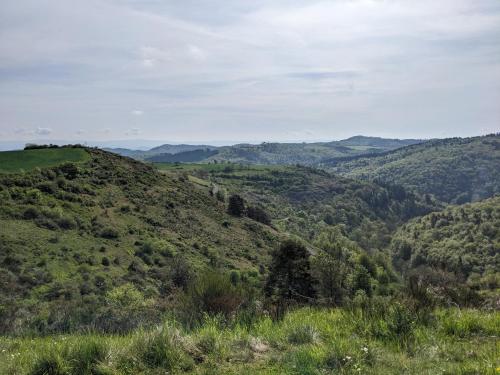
point(306, 341)
point(27, 160)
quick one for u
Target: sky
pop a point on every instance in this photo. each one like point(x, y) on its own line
point(248, 70)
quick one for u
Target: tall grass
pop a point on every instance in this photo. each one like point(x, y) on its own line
point(305, 341)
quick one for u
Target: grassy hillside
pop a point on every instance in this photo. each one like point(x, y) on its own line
point(73, 234)
point(456, 170)
point(27, 160)
point(306, 201)
point(113, 266)
point(389, 340)
point(462, 239)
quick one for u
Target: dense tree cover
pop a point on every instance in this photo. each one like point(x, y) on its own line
point(72, 235)
point(464, 240)
point(304, 201)
point(455, 170)
point(342, 269)
point(311, 154)
point(184, 156)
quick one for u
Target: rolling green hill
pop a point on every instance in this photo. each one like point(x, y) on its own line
point(455, 170)
point(27, 160)
point(311, 154)
point(462, 239)
point(111, 265)
point(71, 234)
point(305, 201)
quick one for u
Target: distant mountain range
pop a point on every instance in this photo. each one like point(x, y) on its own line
point(268, 153)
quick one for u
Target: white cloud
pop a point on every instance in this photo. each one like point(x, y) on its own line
point(43, 131)
point(196, 53)
point(219, 68)
point(133, 132)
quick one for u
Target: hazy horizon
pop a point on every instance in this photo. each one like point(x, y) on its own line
point(147, 144)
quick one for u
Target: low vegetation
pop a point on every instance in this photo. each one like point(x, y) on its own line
point(306, 341)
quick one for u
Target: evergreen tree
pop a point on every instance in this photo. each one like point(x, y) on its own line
point(290, 274)
point(236, 205)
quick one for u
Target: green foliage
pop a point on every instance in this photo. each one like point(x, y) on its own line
point(212, 293)
point(455, 170)
point(236, 205)
point(298, 198)
point(463, 240)
point(290, 276)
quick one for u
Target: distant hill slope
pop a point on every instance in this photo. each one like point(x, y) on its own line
point(386, 143)
point(463, 239)
point(183, 157)
point(17, 161)
point(455, 170)
point(310, 154)
point(71, 234)
point(304, 201)
point(163, 149)
point(275, 153)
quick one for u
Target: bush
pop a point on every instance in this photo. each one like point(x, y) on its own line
point(31, 213)
point(236, 206)
point(109, 233)
point(258, 214)
point(66, 223)
point(212, 294)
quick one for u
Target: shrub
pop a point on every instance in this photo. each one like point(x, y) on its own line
point(69, 170)
point(109, 233)
point(212, 294)
point(66, 222)
point(181, 272)
point(258, 214)
point(236, 206)
point(31, 213)
point(105, 261)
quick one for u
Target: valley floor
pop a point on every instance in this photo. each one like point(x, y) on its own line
point(306, 341)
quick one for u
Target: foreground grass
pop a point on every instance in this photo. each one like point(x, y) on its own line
point(27, 160)
point(306, 341)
